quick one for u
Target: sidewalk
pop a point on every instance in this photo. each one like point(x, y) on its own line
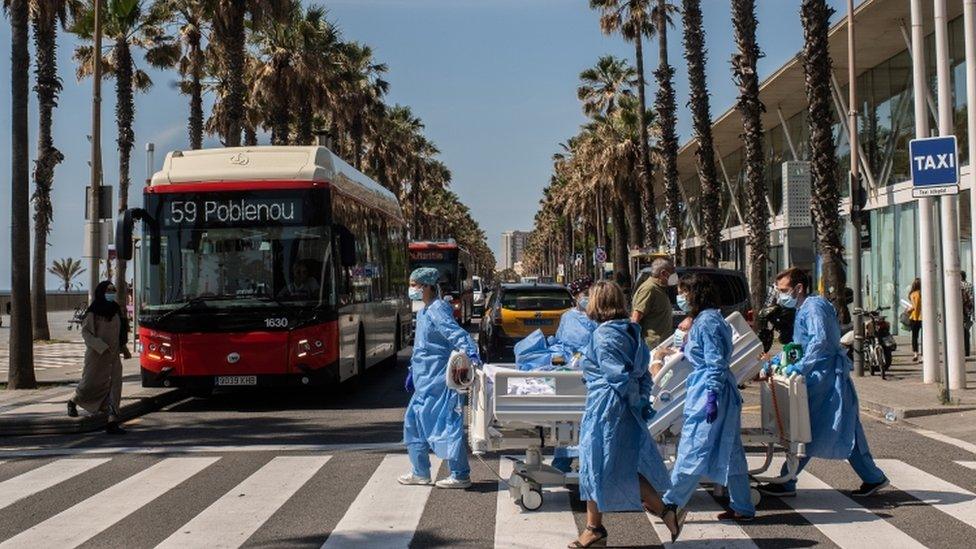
point(43, 411)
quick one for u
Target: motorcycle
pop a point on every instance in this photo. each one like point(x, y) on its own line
point(879, 344)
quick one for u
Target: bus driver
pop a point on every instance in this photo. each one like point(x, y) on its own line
point(303, 284)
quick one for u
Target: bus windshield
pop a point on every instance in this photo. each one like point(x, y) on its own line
point(260, 263)
point(445, 261)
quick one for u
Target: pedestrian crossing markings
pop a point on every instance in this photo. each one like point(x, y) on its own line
point(385, 514)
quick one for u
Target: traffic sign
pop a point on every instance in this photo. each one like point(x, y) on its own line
point(600, 255)
point(935, 166)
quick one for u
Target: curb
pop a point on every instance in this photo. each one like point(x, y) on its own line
point(893, 413)
point(62, 424)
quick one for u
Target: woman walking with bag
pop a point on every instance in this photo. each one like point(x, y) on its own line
point(105, 331)
point(915, 316)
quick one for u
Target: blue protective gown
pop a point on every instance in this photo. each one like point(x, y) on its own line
point(834, 419)
point(615, 445)
point(433, 414)
point(574, 333)
point(713, 450)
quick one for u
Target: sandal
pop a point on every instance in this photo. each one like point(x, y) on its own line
point(601, 541)
point(733, 515)
point(674, 519)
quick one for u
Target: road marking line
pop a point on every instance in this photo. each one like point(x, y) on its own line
point(233, 518)
point(843, 520)
point(944, 496)
point(552, 525)
point(702, 529)
point(11, 453)
point(969, 464)
point(42, 478)
point(386, 513)
point(87, 519)
point(961, 444)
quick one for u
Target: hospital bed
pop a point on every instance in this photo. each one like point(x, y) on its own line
point(511, 409)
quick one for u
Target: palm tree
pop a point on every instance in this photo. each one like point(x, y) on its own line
point(360, 95)
point(67, 269)
point(825, 202)
point(666, 108)
point(695, 57)
point(21, 367)
point(602, 86)
point(128, 26)
point(45, 16)
point(192, 19)
point(633, 19)
point(751, 109)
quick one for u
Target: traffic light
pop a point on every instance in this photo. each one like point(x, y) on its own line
point(858, 194)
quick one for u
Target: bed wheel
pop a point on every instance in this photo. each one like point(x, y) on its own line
point(755, 496)
point(531, 500)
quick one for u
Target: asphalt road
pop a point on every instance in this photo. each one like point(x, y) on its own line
point(292, 469)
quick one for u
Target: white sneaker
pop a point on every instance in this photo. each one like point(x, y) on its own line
point(451, 482)
point(412, 480)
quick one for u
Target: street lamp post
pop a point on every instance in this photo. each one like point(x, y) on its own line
point(94, 217)
point(855, 195)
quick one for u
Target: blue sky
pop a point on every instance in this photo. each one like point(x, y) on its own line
point(493, 80)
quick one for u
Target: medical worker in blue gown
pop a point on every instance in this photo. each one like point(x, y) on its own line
point(620, 466)
point(433, 420)
point(710, 444)
point(835, 423)
point(572, 337)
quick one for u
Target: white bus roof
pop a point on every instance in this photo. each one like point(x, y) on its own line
point(272, 163)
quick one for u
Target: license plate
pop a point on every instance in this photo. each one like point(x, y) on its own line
point(235, 381)
point(538, 322)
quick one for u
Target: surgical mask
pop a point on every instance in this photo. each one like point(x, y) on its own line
point(678, 339)
point(583, 302)
point(673, 279)
point(415, 294)
point(110, 297)
point(787, 300)
point(682, 302)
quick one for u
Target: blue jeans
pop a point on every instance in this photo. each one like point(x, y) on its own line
point(860, 459)
point(684, 485)
point(420, 460)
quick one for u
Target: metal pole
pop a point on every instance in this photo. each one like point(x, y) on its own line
point(926, 236)
point(949, 204)
point(94, 221)
point(969, 25)
point(856, 213)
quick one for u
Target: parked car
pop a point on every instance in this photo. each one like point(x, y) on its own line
point(732, 286)
point(513, 311)
point(480, 293)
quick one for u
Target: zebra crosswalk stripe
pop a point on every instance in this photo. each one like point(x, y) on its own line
point(841, 519)
point(552, 525)
point(968, 464)
point(85, 520)
point(42, 478)
point(233, 518)
point(386, 513)
point(944, 496)
point(702, 530)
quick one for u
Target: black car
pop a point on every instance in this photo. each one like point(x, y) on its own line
point(513, 311)
point(732, 286)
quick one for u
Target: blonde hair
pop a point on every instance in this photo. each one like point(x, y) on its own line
point(607, 302)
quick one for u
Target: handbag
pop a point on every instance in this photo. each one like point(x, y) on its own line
point(903, 319)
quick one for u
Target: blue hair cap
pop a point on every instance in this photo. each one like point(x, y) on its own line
point(427, 276)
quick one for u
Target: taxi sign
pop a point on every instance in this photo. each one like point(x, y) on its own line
point(935, 166)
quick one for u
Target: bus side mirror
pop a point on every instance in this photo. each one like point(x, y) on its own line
point(347, 246)
point(123, 234)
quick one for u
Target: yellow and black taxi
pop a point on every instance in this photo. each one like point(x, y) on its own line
point(513, 311)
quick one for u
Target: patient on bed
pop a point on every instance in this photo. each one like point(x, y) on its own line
point(559, 352)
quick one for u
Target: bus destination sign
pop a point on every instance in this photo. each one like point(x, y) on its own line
point(232, 211)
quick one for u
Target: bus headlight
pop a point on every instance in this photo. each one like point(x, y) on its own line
point(304, 348)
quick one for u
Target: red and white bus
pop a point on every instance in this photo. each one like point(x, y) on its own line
point(453, 262)
point(266, 266)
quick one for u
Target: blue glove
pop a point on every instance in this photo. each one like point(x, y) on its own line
point(764, 371)
point(476, 361)
point(711, 407)
point(408, 384)
point(791, 369)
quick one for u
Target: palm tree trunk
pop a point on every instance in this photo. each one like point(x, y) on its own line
point(230, 34)
point(357, 141)
point(751, 108)
point(647, 196)
point(817, 68)
point(21, 365)
point(48, 157)
point(303, 132)
point(666, 107)
point(621, 263)
point(124, 116)
point(250, 136)
point(695, 57)
point(195, 122)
